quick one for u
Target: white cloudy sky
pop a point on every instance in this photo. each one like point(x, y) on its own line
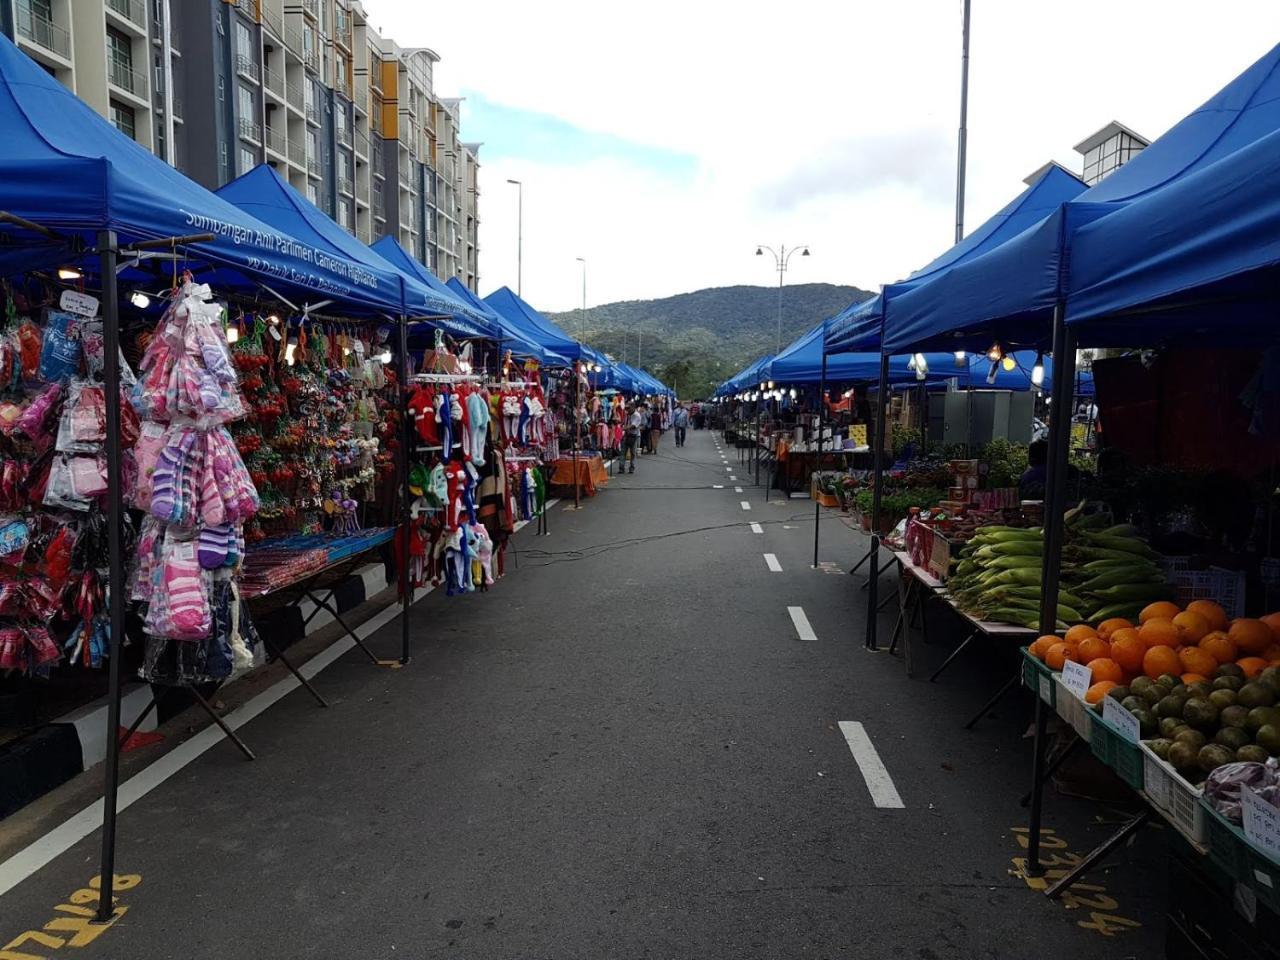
point(664, 140)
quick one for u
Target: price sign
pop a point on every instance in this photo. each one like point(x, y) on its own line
point(1046, 688)
point(1076, 677)
point(1121, 720)
point(78, 303)
point(1261, 822)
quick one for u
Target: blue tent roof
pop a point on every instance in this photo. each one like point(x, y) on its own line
point(1009, 294)
point(535, 327)
point(65, 167)
point(859, 326)
point(467, 321)
point(1197, 260)
point(509, 337)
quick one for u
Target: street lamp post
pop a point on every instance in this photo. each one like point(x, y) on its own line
point(583, 322)
point(519, 234)
point(781, 257)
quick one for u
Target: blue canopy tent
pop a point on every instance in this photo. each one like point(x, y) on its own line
point(537, 328)
point(801, 362)
point(1010, 294)
point(507, 335)
point(859, 326)
point(465, 316)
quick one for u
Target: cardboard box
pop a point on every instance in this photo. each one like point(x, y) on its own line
point(940, 556)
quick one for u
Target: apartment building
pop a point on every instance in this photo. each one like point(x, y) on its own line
point(347, 116)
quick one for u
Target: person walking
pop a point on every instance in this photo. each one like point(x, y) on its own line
point(680, 420)
point(655, 429)
point(631, 437)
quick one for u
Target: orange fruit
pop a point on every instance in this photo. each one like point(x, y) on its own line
point(1159, 632)
point(1193, 677)
point(1059, 653)
point(1127, 649)
point(1212, 613)
point(1091, 648)
point(1104, 668)
point(1041, 646)
point(1160, 610)
point(1079, 633)
point(1098, 691)
point(1272, 620)
point(1251, 636)
point(1159, 660)
point(1219, 646)
point(1195, 660)
point(1107, 627)
point(1271, 653)
point(1252, 666)
point(1191, 626)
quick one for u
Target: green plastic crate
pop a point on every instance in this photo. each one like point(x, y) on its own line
point(1038, 678)
point(1115, 751)
point(1240, 859)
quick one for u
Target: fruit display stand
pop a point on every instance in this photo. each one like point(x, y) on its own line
point(1240, 860)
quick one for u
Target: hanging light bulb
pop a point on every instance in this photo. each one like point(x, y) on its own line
point(994, 353)
point(962, 360)
point(793, 393)
point(233, 334)
point(1037, 372)
point(385, 356)
point(770, 384)
point(346, 351)
point(140, 300)
point(69, 273)
point(991, 374)
point(1009, 363)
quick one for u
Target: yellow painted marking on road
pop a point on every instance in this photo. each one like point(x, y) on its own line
point(75, 918)
point(1104, 917)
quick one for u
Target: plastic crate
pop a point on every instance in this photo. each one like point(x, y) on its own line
point(1239, 859)
point(1038, 678)
point(1173, 796)
point(1219, 584)
point(1072, 709)
point(1115, 751)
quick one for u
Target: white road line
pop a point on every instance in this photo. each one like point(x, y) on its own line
point(732, 477)
point(801, 623)
point(771, 561)
point(879, 784)
point(756, 528)
point(737, 489)
point(728, 468)
point(745, 505)
point(719, 486)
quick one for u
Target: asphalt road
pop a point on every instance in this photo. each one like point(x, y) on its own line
point(625, 749)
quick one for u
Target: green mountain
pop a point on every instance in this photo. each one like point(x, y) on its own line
point(695, 340)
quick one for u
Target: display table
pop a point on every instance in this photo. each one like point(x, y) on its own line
point(591, 473)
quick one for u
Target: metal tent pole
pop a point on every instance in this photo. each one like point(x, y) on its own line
point(577, 436)
point(1064, 361)
point(873, 581)
point(108, 255)
point(755, 446)
point(962, 148)
point(406, 444)
point(822, 407)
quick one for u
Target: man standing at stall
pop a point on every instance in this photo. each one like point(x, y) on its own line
point(655, 428)
point(636, 423)
point(680, 420)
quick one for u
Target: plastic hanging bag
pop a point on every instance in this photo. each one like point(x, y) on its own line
point(60, 490)
point(94, 347)
point(61, 351)
point(83, 425)
point(30, 347)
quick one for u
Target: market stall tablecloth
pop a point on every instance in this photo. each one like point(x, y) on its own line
point(591, 473)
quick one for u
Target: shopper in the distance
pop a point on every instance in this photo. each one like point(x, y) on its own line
point(680, 421)
point(636, 423)
point(655, 428)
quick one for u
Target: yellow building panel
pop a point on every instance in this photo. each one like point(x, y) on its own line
point(390, 103)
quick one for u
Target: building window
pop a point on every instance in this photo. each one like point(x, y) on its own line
point(344, 213)
point(120, 60)
point(344, 165)
point(247, 103)
point(312, 193)
point(123, 119)
point(247, 160)
point(244, 40)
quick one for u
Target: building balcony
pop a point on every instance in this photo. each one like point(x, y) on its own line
point(249, 8)
point(294, 97)
point(293, 40)
point(312, 112)
point(343, 135)
point(248, 68)
point(274, 82)
point(42, 32)
point(277, 141)
point(375, 157)
point(312, 9)
point(122, 76)
point(298, 153)
point(361, 144)
point(311, 58)
point(346, 186)
point(343, 86)
point(342, 29)
point(250, 130)
point(272, 20)
point(313, 167)
point(132, 11)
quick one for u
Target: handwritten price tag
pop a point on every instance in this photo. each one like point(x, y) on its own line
point(1261, 822)
point(73, 301)
point(1076, 677)
point(1121, 720)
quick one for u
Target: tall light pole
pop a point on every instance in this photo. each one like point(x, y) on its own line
point(519, 235)
point(583, 323)
point(964, 124)
point(781, 257)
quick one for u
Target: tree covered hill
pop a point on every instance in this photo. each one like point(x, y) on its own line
point(695, 340)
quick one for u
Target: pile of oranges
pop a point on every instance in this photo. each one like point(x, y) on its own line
point(1167, 640)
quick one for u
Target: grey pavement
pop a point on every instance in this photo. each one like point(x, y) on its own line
point(622, 750)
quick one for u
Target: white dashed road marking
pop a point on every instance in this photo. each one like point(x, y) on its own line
point(745, 505)
point(737, 489)
point(879, 784)
point(718, 486)
point(801, 622)
point(771, 561)
point(756, 528)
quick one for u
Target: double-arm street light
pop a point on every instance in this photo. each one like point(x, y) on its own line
point(781, 257)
